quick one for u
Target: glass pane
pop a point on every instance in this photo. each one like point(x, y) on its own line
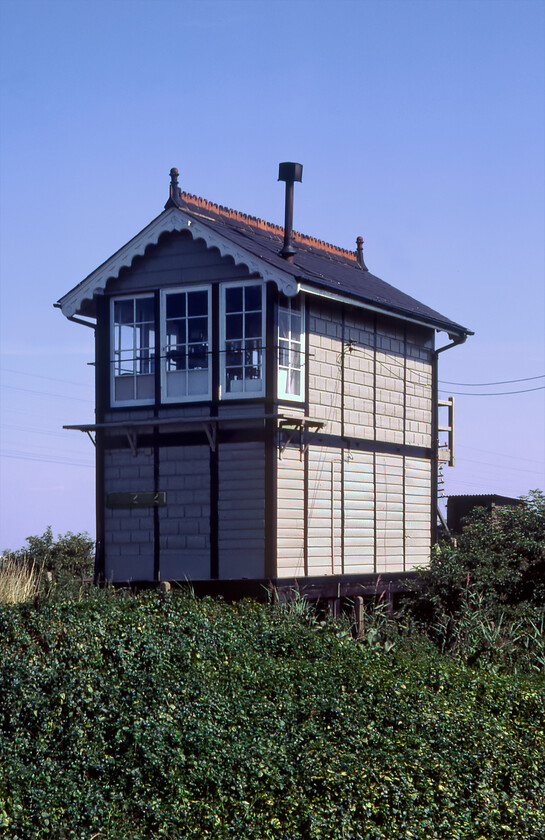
point(176, 332)
point(197, 303)
point(234, 353)
point(145, 309)
point(145, 362)
point(125, 338)
point(283, 324)
point(197, 329)
point(294, 379)
point(252, 297)
point(296, 359)
point(197, 356)
point(233, 299)
point(176, 359)
point(283, 354)
point(252, 324)
point(123, 311)
point(295, 326)
point(176, 305)
point(295, 303)
point(124, 364)
point(252, 355)
point(145, 336)
point(233, 326)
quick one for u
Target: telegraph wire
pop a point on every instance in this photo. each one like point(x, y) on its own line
point(21, 456)
point(490, 393)
point(40, 376)
point(69, 397)
point(498, 454)
point(483, 384)
point(462, 459)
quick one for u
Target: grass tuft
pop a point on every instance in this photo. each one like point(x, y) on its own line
point(18, 581)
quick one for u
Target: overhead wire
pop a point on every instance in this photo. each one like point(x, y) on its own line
point(483, 384)
point(23, 456)
point(490, 393)
point(48, 394)
point(41, 376)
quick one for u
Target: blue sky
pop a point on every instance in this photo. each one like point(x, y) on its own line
point(420, 126)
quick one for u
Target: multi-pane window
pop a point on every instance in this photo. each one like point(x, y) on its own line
point(243, 330)
point(290, 347)
point(134, 349)
point(186, 344)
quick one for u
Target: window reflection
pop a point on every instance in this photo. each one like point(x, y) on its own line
point(290, 346)
point(244, 339)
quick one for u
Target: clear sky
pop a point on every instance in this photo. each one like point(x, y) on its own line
point(420, 126)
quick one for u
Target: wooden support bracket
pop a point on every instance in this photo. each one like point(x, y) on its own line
point(211, 430)
point(133, 442)
point(298, 425)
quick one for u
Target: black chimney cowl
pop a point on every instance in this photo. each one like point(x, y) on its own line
point(289, 172)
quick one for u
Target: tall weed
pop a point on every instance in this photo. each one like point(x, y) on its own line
point(18, 581)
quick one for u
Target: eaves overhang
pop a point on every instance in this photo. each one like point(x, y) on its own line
point(172, 219)
point(360, 303)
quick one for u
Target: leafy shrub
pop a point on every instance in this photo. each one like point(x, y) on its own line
point(167, 717)
point(500, 554)
point(484, 598)
point(66, 558)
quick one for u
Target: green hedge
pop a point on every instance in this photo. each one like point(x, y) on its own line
point(161, 716)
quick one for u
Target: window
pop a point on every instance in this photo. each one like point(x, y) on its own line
point(290, 347)
point(242, 340)
point(133, 341)
point(185, 345)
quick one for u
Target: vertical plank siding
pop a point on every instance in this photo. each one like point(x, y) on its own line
point(184, 523)
point(417, 515)
point(367, 511)
point(241, 510)
point(129, 533)
point(390, 521)
point(324, 511)
point(290, 514)
point(359, 517)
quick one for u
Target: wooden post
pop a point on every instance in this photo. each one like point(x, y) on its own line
point(359, 616)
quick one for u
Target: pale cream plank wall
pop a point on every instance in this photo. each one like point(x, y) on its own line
point(290, 513)
point(359, 515)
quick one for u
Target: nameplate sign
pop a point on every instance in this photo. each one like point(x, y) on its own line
point(145, 498)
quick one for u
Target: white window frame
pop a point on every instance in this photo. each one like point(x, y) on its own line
point(243, 394)
point(132, 402)
point(282, 394)
point(165, 399)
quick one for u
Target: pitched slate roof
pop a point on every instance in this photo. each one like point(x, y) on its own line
point(315, 262)
point(316, 266)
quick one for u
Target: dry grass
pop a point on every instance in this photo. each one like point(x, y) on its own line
point(18, 581)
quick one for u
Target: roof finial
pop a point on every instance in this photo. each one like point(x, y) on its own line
point(174, 192)
point(359, 253)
